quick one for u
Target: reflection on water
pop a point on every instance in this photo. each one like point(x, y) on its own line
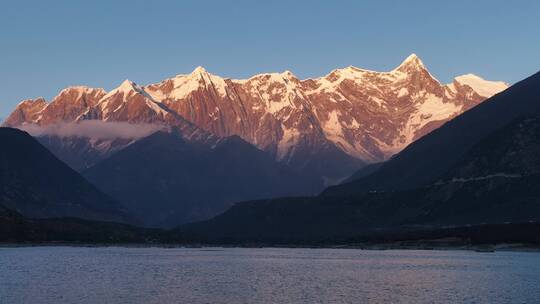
point(157, 275)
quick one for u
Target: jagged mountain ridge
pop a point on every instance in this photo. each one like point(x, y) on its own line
point(349, 114)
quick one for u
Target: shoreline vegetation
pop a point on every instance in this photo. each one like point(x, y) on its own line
point(511, 247)
point(17, 231)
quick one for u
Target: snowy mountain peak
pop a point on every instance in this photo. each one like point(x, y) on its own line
point(412, 57)
point(200, 73)
point(127, 85)
point(288, 75)
point(483, 87)
point(413, 62)
point(77, 88)
point(81, 90)
point(197, 74)
point(38, 100)
point(199, 70)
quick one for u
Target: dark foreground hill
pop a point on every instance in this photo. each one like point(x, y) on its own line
point(165, 180)
point(15, 229)
point(36, 184)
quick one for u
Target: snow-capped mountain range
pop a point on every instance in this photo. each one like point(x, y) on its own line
point(351, 112)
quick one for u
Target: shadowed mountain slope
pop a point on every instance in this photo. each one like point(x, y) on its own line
point(36, 184)
point(165, 180)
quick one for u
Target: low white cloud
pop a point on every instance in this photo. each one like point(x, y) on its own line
point(95, 129)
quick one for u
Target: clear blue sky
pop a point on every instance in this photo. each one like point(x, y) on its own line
point(48, 45)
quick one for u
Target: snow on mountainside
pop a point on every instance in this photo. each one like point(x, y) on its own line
point(350, 112)
point(481, 86)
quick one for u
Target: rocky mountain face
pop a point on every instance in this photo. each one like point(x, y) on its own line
point(36, 184)
point(429, 158)
point(327, 126)
point(482, 167)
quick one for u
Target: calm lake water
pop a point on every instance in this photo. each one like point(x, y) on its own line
point(158, 275)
